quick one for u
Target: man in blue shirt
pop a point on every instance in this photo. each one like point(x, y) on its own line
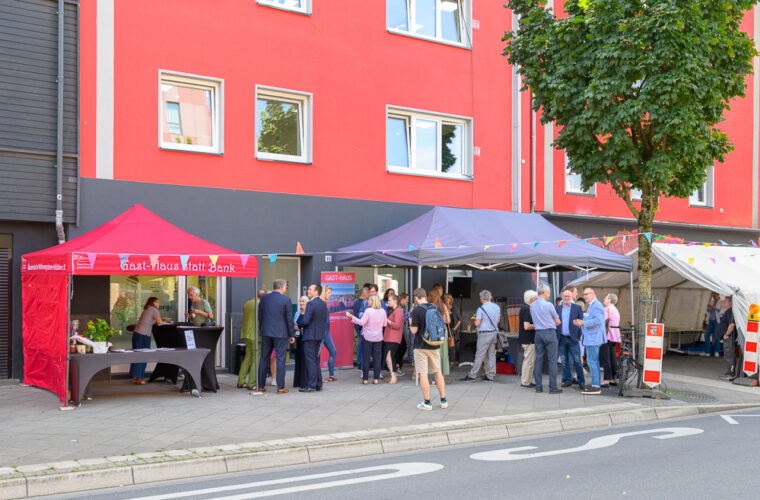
point(594, 335)
point(546, 320)
point(569, 335)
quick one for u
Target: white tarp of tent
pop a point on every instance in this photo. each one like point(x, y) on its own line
point(684, 276)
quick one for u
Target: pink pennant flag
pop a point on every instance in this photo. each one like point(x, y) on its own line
point(213, 258)
point(91, 257)
point(732, 259)
point(691, 243)
point(514, 245)
point(153, 260)
point(244, 258)
point(713, 260)
point(753, 243)
point(438, 243)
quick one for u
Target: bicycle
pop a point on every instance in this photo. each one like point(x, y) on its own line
point(628, 367)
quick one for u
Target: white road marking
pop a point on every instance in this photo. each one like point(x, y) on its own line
point(592, 444)
point(730, 419)
point(394, 471)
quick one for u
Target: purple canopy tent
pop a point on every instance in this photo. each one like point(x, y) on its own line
point(484, 240)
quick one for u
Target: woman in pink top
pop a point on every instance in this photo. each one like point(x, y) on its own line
point(608, 351)
point(373, 321)
point(393, 334)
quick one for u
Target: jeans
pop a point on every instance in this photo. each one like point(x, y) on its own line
point(486, 346)
point(330, 346)
point(359, 349)
point(546, 349)
point(139, 341)
point(529, 361)
point(374, 350)
point(592, 358)
point(248, 367)
point(280, 346)
point(714, 346)
point(570, 351)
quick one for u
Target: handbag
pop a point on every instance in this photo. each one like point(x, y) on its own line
point(451, 337)
point(502, 338)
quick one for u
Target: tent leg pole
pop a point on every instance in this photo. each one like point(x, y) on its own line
point(538, 275)
point(419, 276)
point(633, 316)
point(68, 344)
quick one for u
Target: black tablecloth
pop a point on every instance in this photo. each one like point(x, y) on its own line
point(82, 367)
point(173, 335)
point(468, 342)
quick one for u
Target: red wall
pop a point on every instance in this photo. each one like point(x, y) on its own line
point(343, 55)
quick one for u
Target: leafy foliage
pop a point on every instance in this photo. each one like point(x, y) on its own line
point(279, 128)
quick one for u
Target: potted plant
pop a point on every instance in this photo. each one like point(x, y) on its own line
point(100, 332)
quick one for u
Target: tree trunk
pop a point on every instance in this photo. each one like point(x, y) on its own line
point(645, 219)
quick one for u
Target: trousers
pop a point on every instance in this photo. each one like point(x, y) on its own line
point(280, 346)
point(546, 350)
point(486, 346)
point(529, 361)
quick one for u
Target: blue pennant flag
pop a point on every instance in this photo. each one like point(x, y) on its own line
point(648, 236)
point(183, 259)
point(272, 258)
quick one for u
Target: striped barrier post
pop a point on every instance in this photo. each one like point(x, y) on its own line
point(751, 339)
point(653, 343)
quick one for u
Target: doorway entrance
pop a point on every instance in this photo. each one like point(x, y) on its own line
point(5, 305)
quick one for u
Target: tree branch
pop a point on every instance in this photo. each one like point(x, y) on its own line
point(627, 198)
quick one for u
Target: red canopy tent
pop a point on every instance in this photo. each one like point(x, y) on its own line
point(136, 242)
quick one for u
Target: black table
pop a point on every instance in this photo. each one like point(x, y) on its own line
point(468, 342)
point(173, 335)
point(82, 367)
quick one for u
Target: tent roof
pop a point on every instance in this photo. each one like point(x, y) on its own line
point(139, 242)
point(490, 239)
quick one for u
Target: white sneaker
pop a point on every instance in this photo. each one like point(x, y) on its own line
point(444, 403)
point(425, 406)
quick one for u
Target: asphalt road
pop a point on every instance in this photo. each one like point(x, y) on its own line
point(701, 457)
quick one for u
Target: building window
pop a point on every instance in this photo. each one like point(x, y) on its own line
point(190, 113)
point(302, 6)
point(440, 20)
point(283, 125)
point(703, 195)
point(428, 144)
point(574, 182)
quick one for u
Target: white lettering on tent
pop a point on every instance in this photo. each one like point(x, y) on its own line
point(131, 266)
point(228, 268)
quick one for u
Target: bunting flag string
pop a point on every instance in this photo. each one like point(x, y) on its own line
point(514, 245)
point(244, 259)
point(154, 260)
point(213, 258)
point(183, 259)
point(299, 249)
point(559, 245)
point(438, 243)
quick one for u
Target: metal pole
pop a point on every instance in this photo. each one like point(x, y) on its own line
point(419, 276)
point(59, 132)
point(538, 275)
point(633, 317)
point(69, 285)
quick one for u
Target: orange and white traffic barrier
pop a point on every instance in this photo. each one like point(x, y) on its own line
point(653, 344)
point(751, 340)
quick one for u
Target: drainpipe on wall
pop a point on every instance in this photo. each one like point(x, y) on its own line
point(59, 139)
point(532, 158)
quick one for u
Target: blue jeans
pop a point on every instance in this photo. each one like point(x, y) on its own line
point(546, 349)
point(570, 351)
point(714, 346)
point(139, 341)
point(592, 358)
point(359, 349)
point(330, 346)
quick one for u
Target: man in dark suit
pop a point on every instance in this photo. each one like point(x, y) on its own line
point(276, 326)
point(313, 321)
point(569, 335)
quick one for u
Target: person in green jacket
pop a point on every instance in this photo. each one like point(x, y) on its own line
point(248, 335)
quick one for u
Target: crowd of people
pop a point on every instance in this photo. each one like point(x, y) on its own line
point(574, 332)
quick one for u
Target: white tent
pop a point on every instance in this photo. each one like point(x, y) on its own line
point(684, 276)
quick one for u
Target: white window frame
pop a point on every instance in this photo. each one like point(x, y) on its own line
point(305, 7)
point(708, 199)
point(216, 85)
point(410, 115)
point(304, 101)
point(465, 24)
point(579, 192)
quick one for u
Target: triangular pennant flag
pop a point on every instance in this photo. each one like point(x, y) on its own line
point(383, 252)
point(648, 236)
point(672, 240)
point(487, 247)
point(244, 258)
point(706, 244)
point(674, 254)
point(713, 260)
point(299, 248)
point(183, 259)
point(722, 242)
point(608, 239)
point(659, 237)
point(691, 243)
point(213, 258)
point(753, 243)
point(91, 257)
point(153, 260)
point(585, 240)
point(460, 246)
point(732, 259)
point(691, 260)
point(514, 245)
point(272, 258)
point(412, 247)
point(123, 258)
point(535, 244)
point(438, 243)
point(559, 245)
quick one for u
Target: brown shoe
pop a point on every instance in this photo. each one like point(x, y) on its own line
point(282, 391)
point(262, 389)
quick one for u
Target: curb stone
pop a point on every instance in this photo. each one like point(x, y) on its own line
point(70, 476)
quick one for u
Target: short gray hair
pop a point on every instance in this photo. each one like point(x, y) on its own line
point(613, 298)
point(279, 284)
point(195, 290)
point(542, 289)
point(485, 295)
point(529, 295)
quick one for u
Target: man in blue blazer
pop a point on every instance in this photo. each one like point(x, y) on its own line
point(276, 328)
point(569, 336)
point(313, 321)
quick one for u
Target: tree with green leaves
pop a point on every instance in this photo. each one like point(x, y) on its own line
point(637, 89)
point(279, 128)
